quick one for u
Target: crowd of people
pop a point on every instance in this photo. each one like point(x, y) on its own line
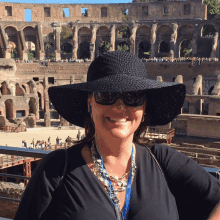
point(48, 60)
point(193, 60)
point(41, 144)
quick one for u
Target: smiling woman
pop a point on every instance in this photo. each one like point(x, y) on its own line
point(112, 173)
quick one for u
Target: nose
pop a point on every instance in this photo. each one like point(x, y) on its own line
point(119, 104)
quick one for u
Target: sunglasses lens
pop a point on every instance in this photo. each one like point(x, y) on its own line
point(129, 98)
point(134, 98)
point(105, 98)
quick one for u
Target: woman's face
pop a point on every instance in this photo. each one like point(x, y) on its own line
point(118, 120)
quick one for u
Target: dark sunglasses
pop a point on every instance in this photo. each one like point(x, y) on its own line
point(129, 98)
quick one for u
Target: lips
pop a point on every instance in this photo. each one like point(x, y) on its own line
point(120, 120)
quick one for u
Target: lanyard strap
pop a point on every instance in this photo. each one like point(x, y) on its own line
point(112, 195)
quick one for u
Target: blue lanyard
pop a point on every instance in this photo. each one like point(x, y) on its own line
point(128, 190)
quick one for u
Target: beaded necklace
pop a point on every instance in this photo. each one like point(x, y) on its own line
point(103, 176)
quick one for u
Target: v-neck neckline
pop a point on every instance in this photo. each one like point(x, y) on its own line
point(95, 178)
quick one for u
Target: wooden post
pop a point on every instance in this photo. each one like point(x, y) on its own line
point(27, 170)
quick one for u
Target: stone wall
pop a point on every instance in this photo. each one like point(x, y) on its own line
point(114, 11)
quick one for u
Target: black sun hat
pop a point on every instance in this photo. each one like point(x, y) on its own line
point(118, 71)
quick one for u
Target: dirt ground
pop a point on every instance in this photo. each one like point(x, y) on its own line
point(15, 139)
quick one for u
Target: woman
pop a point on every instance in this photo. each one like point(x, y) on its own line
point(111, 174)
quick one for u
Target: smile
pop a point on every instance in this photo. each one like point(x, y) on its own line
point(117, 120)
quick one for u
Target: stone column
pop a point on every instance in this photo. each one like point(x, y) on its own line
point(113, 28)
point(92, 42)
point(215, 46)
point(195, 37)
point(41, 52)
point(133, 39)
point(75, 43)
point(5, 43)
point(46, 103)
point(201, 101)
point(57, 40)
point(153, 40)
point(173, 41)
point(23, 46)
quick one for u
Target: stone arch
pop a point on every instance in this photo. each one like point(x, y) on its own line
point(5, 88)
point(123, 31)
point(103, 38)
point(19, 91)
point(30, 36)
point(84, 50)
point(84, 39)
point(164, 33)
point(12, 37)
point(143, 34)
point(164, 49)
point(185, 48)
point(144, 49)
point(9, 105)
point(26, 88)
point(66, 51)
point(32, 105)
point(123, 46)
point(185, 32)
point(208, 30)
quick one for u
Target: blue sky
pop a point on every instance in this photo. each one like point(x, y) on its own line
point(69, 1)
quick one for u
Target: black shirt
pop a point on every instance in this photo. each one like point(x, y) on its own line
point(82, 196)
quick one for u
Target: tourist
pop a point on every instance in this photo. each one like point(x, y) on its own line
point(78, 135)
point(22, 143)
point(61, 142)
point(25, 144)
point(57, 141)
point(114, 173)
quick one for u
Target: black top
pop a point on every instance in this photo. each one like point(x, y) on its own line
point(83, 197)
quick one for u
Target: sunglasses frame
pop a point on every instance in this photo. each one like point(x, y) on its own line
point(121, 95)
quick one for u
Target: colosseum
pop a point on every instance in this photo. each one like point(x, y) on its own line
point(56, 44)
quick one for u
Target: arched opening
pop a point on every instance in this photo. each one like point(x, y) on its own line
point(9, 108)
point(30, 36)
point(186, 48)
point(123, 46)
point(144, 49)
point(123, 32)
point(208, 30)
point(66, 51)
point(49, 50)
point(32, 105)
point(102, 43)
point(84, 50)
point(12, 36)
point(164, 49)
point(205, 108)
point(104, 47)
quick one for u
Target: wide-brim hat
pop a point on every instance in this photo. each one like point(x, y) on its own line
point(118, 71)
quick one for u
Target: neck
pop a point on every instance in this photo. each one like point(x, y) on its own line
point(114, 150)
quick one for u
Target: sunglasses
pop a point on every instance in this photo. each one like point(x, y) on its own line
point(129, 98)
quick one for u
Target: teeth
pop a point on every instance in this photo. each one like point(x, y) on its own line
point(121, 120)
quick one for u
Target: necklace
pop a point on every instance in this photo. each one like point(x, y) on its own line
point(101, 172)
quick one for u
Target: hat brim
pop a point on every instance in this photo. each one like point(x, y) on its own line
point(164, 99)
